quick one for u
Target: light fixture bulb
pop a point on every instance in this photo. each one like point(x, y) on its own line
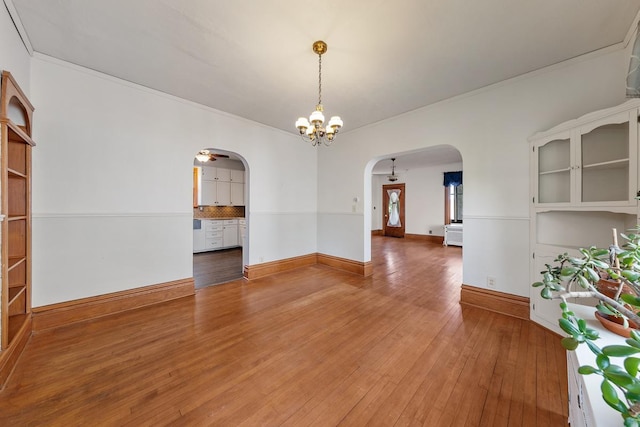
point(302, 124)
point(310, 131)
point(316, 118)
point(203, 156)
point(335, 122)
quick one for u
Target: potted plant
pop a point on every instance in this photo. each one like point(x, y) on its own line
point(585, 276)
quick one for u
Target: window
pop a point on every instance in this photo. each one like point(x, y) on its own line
point(452, 197)
point(454, 201)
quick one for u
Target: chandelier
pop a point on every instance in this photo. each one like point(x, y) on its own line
point(312, 130)
point(393, 177)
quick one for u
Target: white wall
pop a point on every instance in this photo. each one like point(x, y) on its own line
point(424, 198)
point(112, 183)
point(13, 54)
point(490, 128)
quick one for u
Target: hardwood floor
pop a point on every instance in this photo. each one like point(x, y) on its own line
point(308, 347)
point(214, 267)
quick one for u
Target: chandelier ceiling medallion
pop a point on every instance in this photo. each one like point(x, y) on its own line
point(312, 130)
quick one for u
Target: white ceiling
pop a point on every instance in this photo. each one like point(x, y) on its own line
point(254, 59)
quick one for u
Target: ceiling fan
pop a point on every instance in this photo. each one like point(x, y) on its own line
point(208, 156)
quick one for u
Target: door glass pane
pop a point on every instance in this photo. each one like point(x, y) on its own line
point(554, 175)
point(605, 163)
point(394, 208)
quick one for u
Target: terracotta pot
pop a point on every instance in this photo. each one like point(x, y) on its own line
point(610, 288)
point(614, 324)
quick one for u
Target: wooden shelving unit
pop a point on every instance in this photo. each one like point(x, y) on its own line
point(16, 113)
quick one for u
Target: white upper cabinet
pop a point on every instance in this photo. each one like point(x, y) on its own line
point(210, 173)
point(237, 175)
point(220, 186)
point(589, 162)
point(237, 194)
point(223, 174)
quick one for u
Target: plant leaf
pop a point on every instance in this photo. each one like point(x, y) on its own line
point(609, 393)
point(569, 343)
point(631, 275)
point(619, 350)
point(631, 365)
point(630, 299)
point(587, 370)
point(602, 361)
point(568, 327)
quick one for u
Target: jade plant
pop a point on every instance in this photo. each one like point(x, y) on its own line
point(581, 277)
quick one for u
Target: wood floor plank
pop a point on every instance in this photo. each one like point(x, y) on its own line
point(313, 346)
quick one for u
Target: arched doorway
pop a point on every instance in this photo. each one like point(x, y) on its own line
point(220, 225)
point(427, 207)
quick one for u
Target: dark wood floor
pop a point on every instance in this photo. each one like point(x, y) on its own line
point(310, 347)
point(214, 267)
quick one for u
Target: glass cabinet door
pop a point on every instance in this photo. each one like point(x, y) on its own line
point(604, 160)
point(554, 171)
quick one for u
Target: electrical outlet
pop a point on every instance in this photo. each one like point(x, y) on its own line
point(491, 282)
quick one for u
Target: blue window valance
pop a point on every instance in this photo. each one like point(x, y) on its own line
point(452, 178)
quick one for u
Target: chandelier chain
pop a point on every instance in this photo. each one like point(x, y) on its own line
point(319, 79)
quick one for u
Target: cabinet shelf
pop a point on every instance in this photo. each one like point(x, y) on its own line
point(554, 171)
point(16, 322)
point(15, 262)
point(613, 164)
point(16, 174)
point(15, 292)
point(18, 133)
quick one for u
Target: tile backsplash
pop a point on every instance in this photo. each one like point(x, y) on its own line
point(219, 212)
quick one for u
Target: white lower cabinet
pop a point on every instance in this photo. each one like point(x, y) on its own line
point(216, 234)
point(198, 240)
point(230, 231)
point(242, 232)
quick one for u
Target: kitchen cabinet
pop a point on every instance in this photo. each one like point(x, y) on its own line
point(230, 233)
point(210, 173)
point(242, 232)
point(219, 186)
point(216, 234)
point(199, 239)
point(236, 194)
point(213, 234)
point(237, 175)
point(215, 193)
